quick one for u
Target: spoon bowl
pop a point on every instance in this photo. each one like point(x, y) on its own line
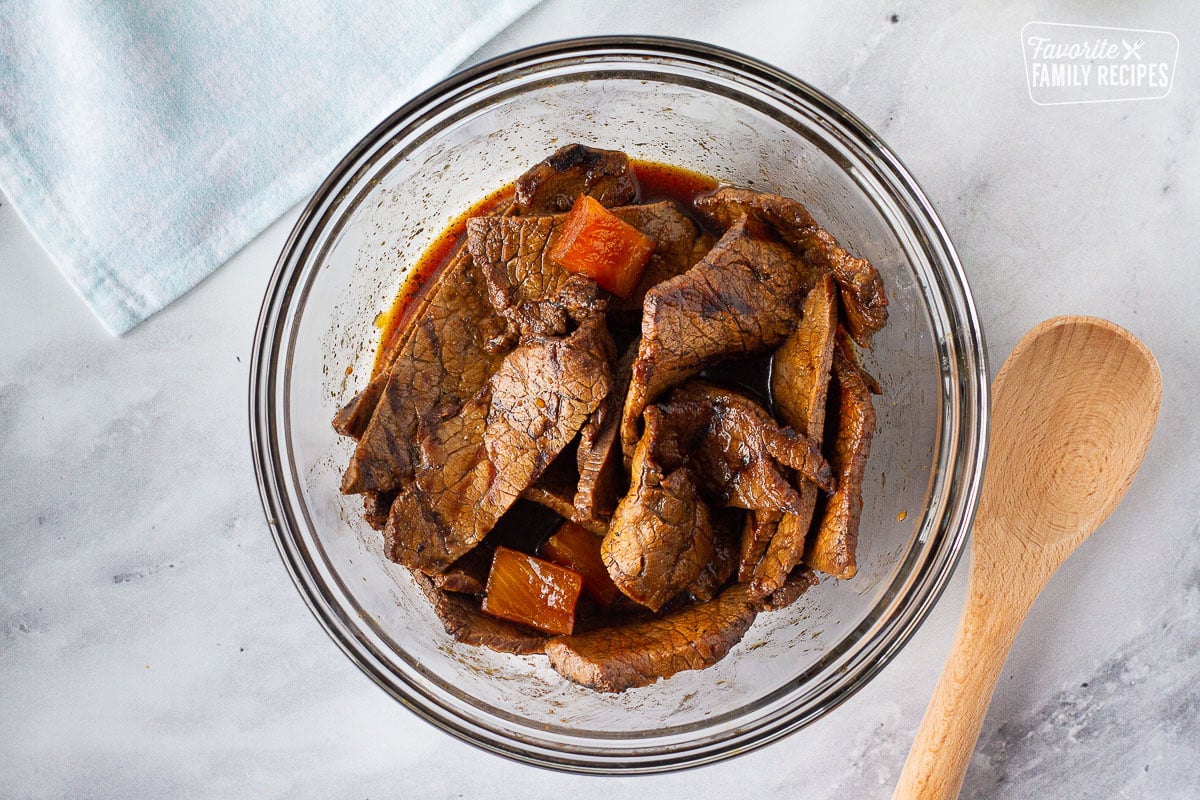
point(1075, 405)
point(1073, 410)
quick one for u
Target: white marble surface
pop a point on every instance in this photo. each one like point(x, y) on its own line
point(152, 645)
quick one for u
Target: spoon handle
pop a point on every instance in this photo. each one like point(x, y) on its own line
point(937, 762)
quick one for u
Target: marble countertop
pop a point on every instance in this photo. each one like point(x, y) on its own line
point(152, 645)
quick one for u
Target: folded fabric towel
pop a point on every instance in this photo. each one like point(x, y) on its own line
point(145, 142)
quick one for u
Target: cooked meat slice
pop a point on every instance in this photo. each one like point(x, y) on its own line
point(861, 287)
point(743, 456)
point(526, 286)
point(433, 520)
point(465, 621)
point(740, 299)
point(376, 506)
point(352, 419)
point(600, 474)
point(541, 396)
point(675, 249)
point(800, 369)
point(559, 498)
point(799, 581)
point(757, 533)
point(845, 342)
point(641, 652)
point(720, 568)
point(476, 462)
point(469, 574)
point(660, 537)
point(833, 548)
point(553, 497)
point(599, 455)
point(799, 383)
point(523, 283)
point(443, 361)
point(553, 185)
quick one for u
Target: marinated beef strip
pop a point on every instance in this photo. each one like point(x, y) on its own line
point(467, 575)
point(678, 245)
point(376, 506)
point(554, 490)
point(478, 459)
point(845, 342)
point(720, 568)
point(743, 458)
point(553, 185)
point(466, 622)
point(598, 457)
point(639, 653)
point(798, 581)
point(742, 298)
point(832, 550)
point(352, 419)
point(660, 537)
point(553, 499)
point(862, 291)
point(444, 361)
point(757, 532)
point(523, 282)
point(799, 384)
point(526, 286)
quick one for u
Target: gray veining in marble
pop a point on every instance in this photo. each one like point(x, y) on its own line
point(152, 645)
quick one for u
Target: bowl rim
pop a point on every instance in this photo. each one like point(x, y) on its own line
point(271, 333)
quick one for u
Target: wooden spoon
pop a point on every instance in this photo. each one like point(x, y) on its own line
point(1073, 410)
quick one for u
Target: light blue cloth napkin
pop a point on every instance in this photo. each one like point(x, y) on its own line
point(145, 142)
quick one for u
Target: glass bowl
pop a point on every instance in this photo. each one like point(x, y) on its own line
point(713, 111)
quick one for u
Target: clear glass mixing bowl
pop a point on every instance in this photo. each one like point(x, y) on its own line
point(715, 112)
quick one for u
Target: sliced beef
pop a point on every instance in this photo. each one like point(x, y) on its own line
point(466, 622)
point(640, 653)
point(439, 515)
point(704, 448)
point(376, 506)
point(477, 459)
point(526, 286)
point(552, 185)
point(443, 362)
point(832, 550)
point(678, 245)
point(726, 523)
point(799, 383)
point(744, 456)
point(600, 476)
point(757, 532)
point(800, 370)
point(862, 289)
point(555, 492)
point(598, 459)
point(523, 283)
point(798, 581)
point(541, 396)
point(467, 575)
point(845, 342)
point(660, 537)
point(742, 298)
point(352, 419)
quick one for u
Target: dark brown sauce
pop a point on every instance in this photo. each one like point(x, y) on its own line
point(668, 182)
point(655, 182)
